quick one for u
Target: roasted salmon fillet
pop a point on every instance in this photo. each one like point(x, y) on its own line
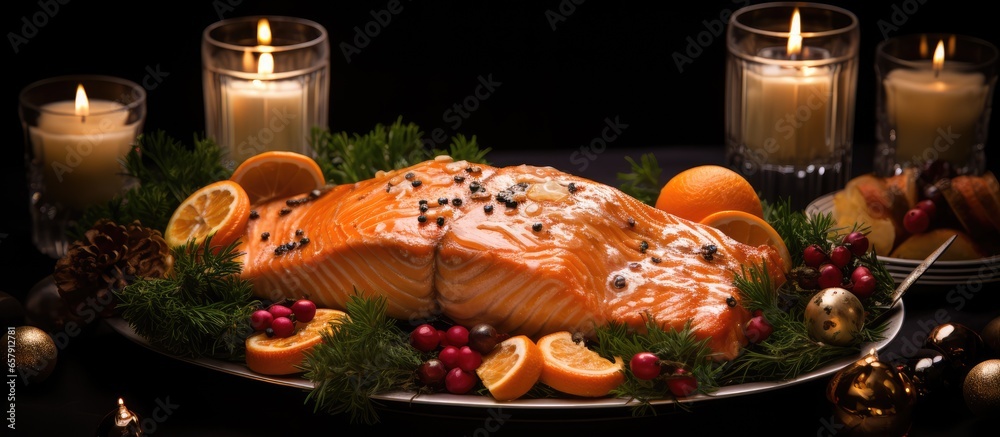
point(531, 250)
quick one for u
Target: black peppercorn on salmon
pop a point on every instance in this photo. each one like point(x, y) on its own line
point(530, 250)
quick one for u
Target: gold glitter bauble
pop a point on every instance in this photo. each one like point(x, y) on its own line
point(982, 388)
point(872, 398)
point(34, 353)
point(834, 316)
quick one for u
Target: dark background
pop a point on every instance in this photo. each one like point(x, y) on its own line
point(604, 60)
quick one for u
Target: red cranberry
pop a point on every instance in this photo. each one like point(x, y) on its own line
point(278, 310)
point(864, 283)
point(449, 356)
point(261, 320)
point(857, 242)
point(645, 365)
point(758, 329)
point(424, 338)
point(928, 206)
point(841, 256)
point(829, 276)
point(283, 327)
point(682, 383)
point(468, 359)
point(432, 372)
point(304, 310)
point(459, 381)
point(916, 221)
point(814, 256)
point(457, 335)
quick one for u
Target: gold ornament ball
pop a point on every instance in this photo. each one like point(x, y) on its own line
point(872, 398)
point(34, 353)
point(834, 316)
point(981, 388)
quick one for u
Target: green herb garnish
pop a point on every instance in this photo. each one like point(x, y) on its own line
point(364, 356)
point(201, 309)
point(349, 158)
point(643, 181)
point(676, 348)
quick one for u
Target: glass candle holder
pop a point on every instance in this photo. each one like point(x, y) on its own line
point(791, 77)
point(266, 84)
point(934, 99)
point(77, 131)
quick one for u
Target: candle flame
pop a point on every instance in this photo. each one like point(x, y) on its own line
point(263, 32)
point(923, 46)
point(265, 65)
point(795, 35)
point(938, 62)
point(82, 104)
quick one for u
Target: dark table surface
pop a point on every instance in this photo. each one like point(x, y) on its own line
point(97, 365)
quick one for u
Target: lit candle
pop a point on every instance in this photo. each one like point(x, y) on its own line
point(263, 113)
point(81, 142)
point(935, 111)
point(121, 422)
point(788, 103)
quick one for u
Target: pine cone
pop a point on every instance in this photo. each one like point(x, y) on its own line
point(110, 257)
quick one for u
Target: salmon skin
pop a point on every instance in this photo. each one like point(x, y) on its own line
point(531, 250)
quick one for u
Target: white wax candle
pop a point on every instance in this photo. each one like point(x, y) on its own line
point(80, 154)
point(934, 116)
point(263, 115)
point(786, 114)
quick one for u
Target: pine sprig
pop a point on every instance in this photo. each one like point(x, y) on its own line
point(201, 309)
point(348, 158)
point(676, 349)
point(643, 181)
point(367, 355)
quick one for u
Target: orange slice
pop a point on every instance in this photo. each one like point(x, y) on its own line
point(512, 368)
point(573, 368)
point(283, 356)
point(749, 229)
point(220, 209)
point(276, 174)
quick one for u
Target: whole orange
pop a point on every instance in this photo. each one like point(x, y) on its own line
point(695, 193)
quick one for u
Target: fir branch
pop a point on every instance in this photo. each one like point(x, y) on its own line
point(201, 309)
point(465, 149)
point(675, 348)
point(643, 181)
point(364, 356)
point(348, 158)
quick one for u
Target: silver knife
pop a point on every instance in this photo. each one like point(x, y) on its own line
point(919, 270)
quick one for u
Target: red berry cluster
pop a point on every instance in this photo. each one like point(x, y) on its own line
point(648, 366)
point(839, 267)
point(459, 351)
point(278, 320)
